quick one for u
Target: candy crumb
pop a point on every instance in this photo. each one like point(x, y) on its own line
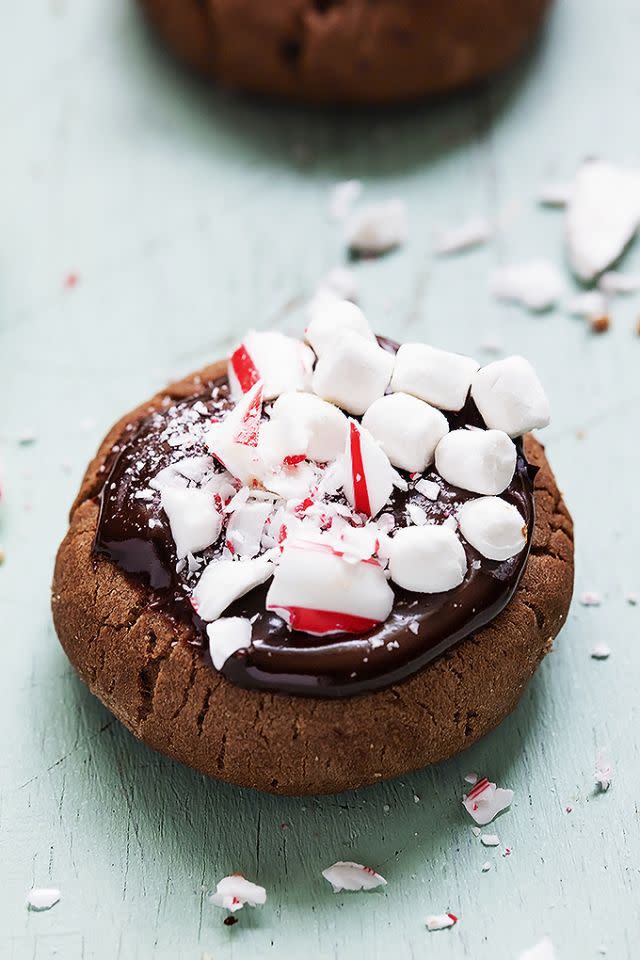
point(441, 921)
point(600, 324)
point(42, 898)
point(486, 866)
point(490, 839)
point(471, 778)
point(590, 598)
point(600, 651)
point(632, 599)
point(603, 772)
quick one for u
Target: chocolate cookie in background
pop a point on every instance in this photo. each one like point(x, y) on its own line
point(345, 600)
point(347, 51)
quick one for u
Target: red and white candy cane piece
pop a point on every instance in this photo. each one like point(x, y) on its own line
point(233, 892)
point(250, 411)
point(368, 479)
point(279, 361)
point(316, 590)
point(347, 875)
point(486, 800)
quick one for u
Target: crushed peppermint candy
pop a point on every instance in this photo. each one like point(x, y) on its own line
point(463, 236)
point(541, 951)
point(342, 197)
point(590, 598)
point(377, 228)
point(600, 651)
point(535, 284)
point(42, 898)
point(486, 800)
point(441, 921)
point(347, 875)
point(233, 892)
point(489, 839)
point(603, 771)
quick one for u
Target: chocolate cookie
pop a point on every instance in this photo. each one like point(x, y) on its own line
point(306, 705)
point(347, 51)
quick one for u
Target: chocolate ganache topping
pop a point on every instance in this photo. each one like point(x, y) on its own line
point(134, 532)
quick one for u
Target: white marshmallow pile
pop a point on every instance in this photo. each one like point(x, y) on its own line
point(296, 491)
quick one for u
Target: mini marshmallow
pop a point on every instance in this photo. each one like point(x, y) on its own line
point(233, 892)
point(482, 461)
point(226, 636)
point(437, 376)
point(368, 474)
point(244, 530)
point(328, 317)
point(407, 429)
point(510, 397)
point(279, 361)
point(602, 216)
point(347, 875)
point(377, 227)
point(325, 425)
point(353, 374)
point(485, 801)
point(223, 581)
point(427, 559)
point(535, 284)
point(317, 591)
point(494, 527)
point(194, 520)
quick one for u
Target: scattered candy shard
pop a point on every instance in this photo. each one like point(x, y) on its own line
point(510, 397)
point(342, 197)
point(224, 581)
point(270, 356)
point(613, 282)
point(604, 771)
point(590, 598)
point(555, 194)
point(193, 518)
point(318, 591)
point(535, 284)
point(324, 425)
point(602, 216)
point(340, 281)
point(441, 921)
point(494, 527)
point(592, 303)
point(485, 801)
point(438, 377)
point(378, 227)
point(42, 898)
point(347, 875)
point(486, 866)
point(541, 951)
point(226, 636)
point(490, 840)
point(232, 893)
point(600, 651)
point(368, 475)
point(462, 236)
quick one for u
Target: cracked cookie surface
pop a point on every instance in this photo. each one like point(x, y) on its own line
point(139, 663)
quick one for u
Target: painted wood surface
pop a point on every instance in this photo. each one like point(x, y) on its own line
point(187, 215)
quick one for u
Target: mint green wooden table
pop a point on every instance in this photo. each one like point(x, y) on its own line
point(187, 216)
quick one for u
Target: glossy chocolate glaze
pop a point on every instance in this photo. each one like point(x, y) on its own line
point(134, 533)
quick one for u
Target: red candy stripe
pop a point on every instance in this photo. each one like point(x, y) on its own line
point(479, 788)
point(244, 368)
point(249, 429)
point(360, 491)
point(327, 621)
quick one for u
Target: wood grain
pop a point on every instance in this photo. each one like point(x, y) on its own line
point(187, 216)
